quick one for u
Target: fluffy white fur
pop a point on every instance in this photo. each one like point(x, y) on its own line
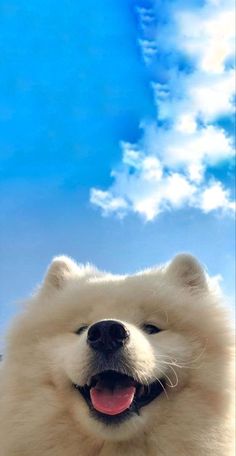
point(42, 415)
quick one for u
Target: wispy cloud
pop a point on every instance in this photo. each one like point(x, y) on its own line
point(191, 60)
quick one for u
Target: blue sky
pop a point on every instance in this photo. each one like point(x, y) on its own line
point(116, 143)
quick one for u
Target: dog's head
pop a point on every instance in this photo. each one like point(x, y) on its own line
point(119, 351)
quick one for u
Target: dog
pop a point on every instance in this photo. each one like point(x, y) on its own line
point(139, 365)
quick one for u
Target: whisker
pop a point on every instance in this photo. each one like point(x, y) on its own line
point(176, 376)
point(181, 364)
point(171, 385)
point(159, 381)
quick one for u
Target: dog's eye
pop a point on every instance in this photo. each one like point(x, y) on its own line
point(81, 329)
point(151, 329)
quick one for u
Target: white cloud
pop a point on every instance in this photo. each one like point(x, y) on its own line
point(167, 168)
point(186, 123)
point(146, 193)
point(178, 190)
point(212, 97)
point(107, 202)
point(188, 151)
point(190, 98)
point(216, 197)
point(208, 34)
point(149, 49)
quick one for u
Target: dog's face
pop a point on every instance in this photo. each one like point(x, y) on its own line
point(118, 351)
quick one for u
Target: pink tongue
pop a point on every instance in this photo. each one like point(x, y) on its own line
point(112, 402)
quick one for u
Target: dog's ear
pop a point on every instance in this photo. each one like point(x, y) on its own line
point(59, 271)
point(187, 271)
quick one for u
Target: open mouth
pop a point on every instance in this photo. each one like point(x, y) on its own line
point(116, 396)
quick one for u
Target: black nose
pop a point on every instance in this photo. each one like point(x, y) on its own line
point(107, 336)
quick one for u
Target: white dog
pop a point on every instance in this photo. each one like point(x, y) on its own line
point(109, 365)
